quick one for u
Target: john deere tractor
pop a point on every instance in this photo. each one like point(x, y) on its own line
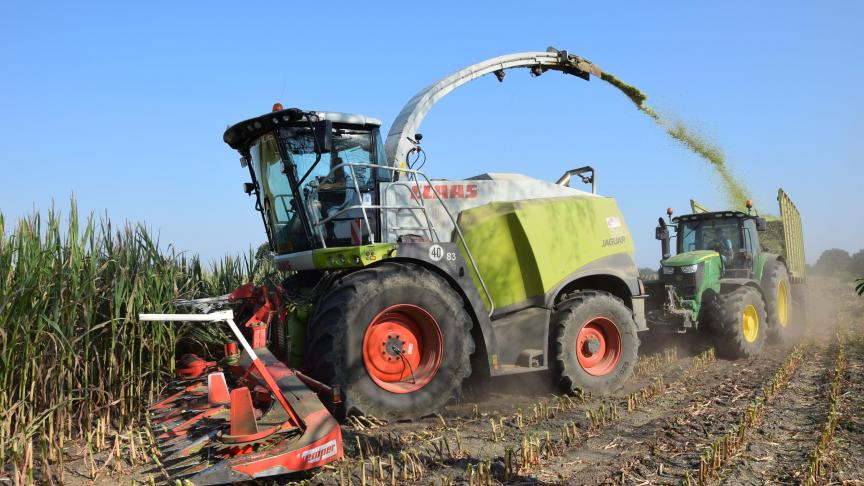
point(735, 274)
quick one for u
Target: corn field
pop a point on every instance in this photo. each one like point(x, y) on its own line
point(72, 352)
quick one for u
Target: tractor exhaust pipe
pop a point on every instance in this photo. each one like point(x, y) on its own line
point(662, 234)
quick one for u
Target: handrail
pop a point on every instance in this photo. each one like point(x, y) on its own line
point(364, 207)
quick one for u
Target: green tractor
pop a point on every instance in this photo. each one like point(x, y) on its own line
point(735, 274)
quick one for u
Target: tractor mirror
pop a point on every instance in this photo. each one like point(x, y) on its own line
point(661, 233)
point(761, 224)
point(324, 135)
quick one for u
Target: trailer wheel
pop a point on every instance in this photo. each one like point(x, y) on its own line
point(595, 342)
point(779, 307)
point(742, 320)
point(395, 337)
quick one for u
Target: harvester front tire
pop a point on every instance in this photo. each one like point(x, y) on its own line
point(339, 330)
point(742, 322)
point(605, 319)
point(782, 321)
point(279, 340)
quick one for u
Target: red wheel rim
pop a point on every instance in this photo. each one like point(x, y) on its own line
point(402, 348)
point(598, 346)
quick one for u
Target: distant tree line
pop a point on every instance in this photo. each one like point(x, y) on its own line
point(838, 263)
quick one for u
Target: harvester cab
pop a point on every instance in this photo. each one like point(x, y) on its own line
point(312, 173)
point(730, 274)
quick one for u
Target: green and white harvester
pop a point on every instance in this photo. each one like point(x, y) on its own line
point(737, 275)
point(399, 287)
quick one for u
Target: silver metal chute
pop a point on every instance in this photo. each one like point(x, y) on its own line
point(399, 140)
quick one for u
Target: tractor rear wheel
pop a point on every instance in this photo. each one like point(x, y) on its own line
point(778, 303)
point(742, 323)
point(594, 341)
point(397, 339)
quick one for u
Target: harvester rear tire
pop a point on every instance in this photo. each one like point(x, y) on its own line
point(338, 330)
point(571, 320)
point(742, 323)
point(777, 289)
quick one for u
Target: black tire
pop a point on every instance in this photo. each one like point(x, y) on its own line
point(734, 341)
point(568, 320)
point(779, 309)
point(338, 326)
point(279, 340)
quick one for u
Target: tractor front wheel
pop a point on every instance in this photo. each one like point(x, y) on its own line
point(742, 322)
point(397, 339)
point(595, 342)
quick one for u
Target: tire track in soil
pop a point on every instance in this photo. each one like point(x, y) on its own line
point(792, 422)
point(507, 401)
point(475, 429)
point(846, 461)
point(665, 439)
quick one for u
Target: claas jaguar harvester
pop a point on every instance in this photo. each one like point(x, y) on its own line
point(399, 288)
point(737, 275)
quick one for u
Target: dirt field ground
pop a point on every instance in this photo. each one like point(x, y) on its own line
point(763, 417)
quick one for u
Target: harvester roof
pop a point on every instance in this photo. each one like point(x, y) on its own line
point(240, 134)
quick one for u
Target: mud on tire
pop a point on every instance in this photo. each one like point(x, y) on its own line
point(606, 313)
point(335, 350)
point(742, 323)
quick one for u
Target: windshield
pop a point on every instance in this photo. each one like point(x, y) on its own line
point(326, 191)
point(721, 235)
point(276, 196)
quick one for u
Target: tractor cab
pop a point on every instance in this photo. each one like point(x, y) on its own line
point(712, 248)
point(732, 235)
point(312, 172)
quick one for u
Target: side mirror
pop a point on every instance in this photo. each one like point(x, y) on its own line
point(761, 224)
point(324, 135)
point(248, 187)
point(661, 233)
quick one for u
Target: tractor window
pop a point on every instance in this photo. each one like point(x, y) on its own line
point(720, 235)
point(751, 240)
point(276, 196)
point(329, 188)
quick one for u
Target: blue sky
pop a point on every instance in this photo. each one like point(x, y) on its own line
point(124, 104)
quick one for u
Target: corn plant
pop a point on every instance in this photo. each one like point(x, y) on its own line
point(816, 466)
point(726, 446)
point(76, 362)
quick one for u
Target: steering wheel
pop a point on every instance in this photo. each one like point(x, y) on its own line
point(724, 248)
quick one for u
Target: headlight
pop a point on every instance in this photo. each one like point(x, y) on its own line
point(668, 270)
point(690, 268)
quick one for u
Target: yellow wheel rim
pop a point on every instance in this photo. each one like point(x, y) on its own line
point(750, 323)
point(782, 304)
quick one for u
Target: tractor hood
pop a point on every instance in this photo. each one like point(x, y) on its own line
point(689, 258)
